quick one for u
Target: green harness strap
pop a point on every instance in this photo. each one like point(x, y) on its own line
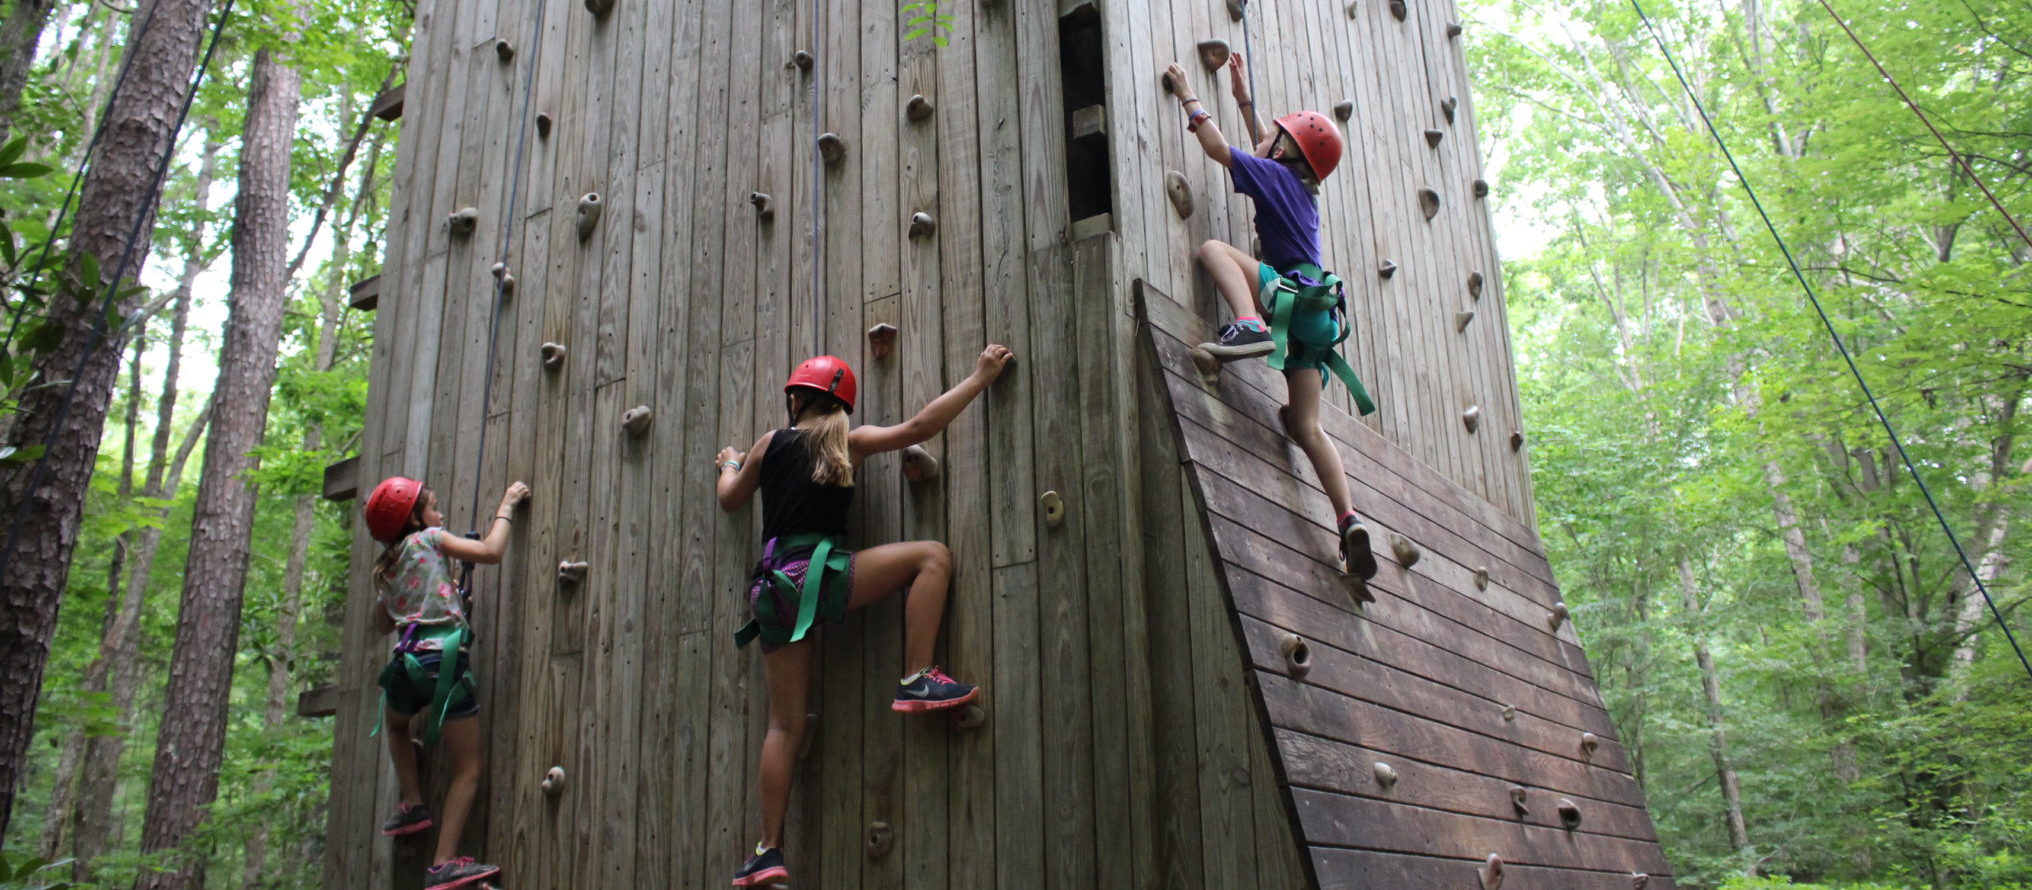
point(447, 689)
point(823, 562)
point(1285, 299)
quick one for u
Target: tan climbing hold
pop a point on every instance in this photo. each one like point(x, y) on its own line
point(1406, 552)
point(882, 341)
point(1492, 872)
point(1509, 713)
point(1559, 614)
point(504, 50)
point(1297, 656)
point(1208, 364)
point(1213, 54)
point(464, 221)
point(880, 840)
point(590, 207)
point(918, 108)
point(1569, 814)
point(1053, 505)
point(922, 225)
point(969, 718)
point(1344, 109)
point(504, 279)
point(1387, 269)
point(1398, 10)
point(1516, 441)
point(1434, 137)
point(553, 356)
point(636, 420)
point(1482, 579)
point(1386, 775)
point(1517, 800)
point(1481, 188)
point(1472, 418)
point(1461, 321)
point(832, 148)
point(569, 572)
point(600, 8)
point(1449, 106)
point(1235, 10)
point(1588, 743)
point(918, 464)
point(1639, 880)
point(765, 206)
point(543, 125)
point(1428, 203)
point(1475, 285)
point(1180, 193)
point(553, 781)
point(801, 60)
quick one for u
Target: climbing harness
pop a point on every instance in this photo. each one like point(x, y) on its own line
point(453, 685)
point(1305, 289)
point(1814, 298)
point(826, 560)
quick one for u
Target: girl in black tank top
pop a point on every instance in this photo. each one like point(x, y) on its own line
point(805, 473)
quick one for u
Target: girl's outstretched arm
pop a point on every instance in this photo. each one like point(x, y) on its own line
point(489, 550)
point(739, 476)
point(868, 440)
point(1210, 139)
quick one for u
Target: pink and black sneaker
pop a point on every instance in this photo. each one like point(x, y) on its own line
point(408, 819)
point(460, 872)
point(762, 869)
point(931, 690)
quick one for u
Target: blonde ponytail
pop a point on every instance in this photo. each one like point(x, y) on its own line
point(826, 432)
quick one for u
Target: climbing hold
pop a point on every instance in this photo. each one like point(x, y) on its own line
point(801, 61)
point(1475, 285)
point(1481, 188)
point(1516, 441)
point(1053, 505)
point(832, 148)
point(1481, 579)
point(921, 224)
point(553, 356)
point(1559, 614)
point(1428, 203)
point(569, 572)
point(918, 108)
point(1351, 9)
point(969, 717)
point(1434, 137)
point(1179, 192)
point(1453, 29)
point(1387, 269)
point(1386, 775)
point(880, 839)
point(1448, 106)
point(1213, 54)
point(1492, 872)
point(1235, 10)
point(765, 207)
point(1509, 713)
point(504, 279)
point(1472, 418)
point(1587, 745)
point(1358, 587)
point(543, 125)
point(589, 214)
point(636, 420)
point(1406, 552)
point(553, 781)
point(599, 8)
point(1517, 794)
point(1461, 319)
point(1208, 364)
point(1397, 9)
point(1297, 656)
point(882, 340)
point(1639, 880)
point(1344, 109)
point(918, 464)
point(1569, 814)
point(464, 221)
point(504, 50)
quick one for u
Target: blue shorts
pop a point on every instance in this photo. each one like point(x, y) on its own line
point(1319, 330)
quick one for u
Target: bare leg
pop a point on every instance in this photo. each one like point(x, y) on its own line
point(1234, 273)
point(788, 671)
point(402, 753)
point(926, 567)
point(462, 739)
point(1301, 420)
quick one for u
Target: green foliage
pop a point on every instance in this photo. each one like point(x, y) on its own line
point(31, 873)
point(923, 19)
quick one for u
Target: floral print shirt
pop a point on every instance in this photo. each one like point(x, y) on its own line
point(422, 591)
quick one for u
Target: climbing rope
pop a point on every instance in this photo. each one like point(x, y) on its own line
point(1250, 119)
point(1814, 298)
point(1958, 157)
point(817, 196)
point(40, 473)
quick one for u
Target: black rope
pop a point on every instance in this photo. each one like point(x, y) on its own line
point(40, 473)
point(1814, 298)
point(1249, 118)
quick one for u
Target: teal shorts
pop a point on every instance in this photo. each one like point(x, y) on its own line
point(1319, 330)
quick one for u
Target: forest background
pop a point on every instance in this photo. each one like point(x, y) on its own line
point(1809, 687)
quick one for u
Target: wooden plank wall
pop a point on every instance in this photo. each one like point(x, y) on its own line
point(1470, 694)
point(1315, 54)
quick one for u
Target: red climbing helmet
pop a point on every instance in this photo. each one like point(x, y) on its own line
point(827, 374)
point(391, 505)
point(1318, 140)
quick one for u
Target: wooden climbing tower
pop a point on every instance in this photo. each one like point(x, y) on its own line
point(618, 223)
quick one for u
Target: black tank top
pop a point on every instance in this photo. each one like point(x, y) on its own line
point(792, 504)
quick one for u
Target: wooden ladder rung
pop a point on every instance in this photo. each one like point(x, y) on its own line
point(388, 105)
point(342, 479)
point(366, 293)
point(322, 701)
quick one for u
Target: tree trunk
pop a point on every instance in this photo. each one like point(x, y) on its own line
point(1718, 738)
point(42, 509)
point(190, 748)
point(19, 34)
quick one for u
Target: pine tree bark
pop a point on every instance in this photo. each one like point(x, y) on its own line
point(190, 748)
point(19, 34)
point(118, 195)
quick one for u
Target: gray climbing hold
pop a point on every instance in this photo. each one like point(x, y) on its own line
point(504, 279)
point(1569, 814)
point(1387, 269)
point(1516, 440)
point(553, 780)
point(1482, 578)
point(918, 108)
point(1492, 872)
point(1428, 203)
point(589, 214)
point(543, 125)
point(1386, 775)
point(1461, 320)
point(801, 61)
point(553, 356)
point(1297, 656)
point(504, 50)
point(969, 718)
point(922, 225)
point(571, 573)
point(1180, 193)
point(1213, 54)
point(881, 839)
point(1588, 742)
point(1434, 137)
point(1475, 285)
point(1235, 10)
point(1509, 713)
point(1517, 800)
point(1406, 552)
point(600, 8)
point(1449, 106)
point(1209, 366)
point(1398, 10)
point(882, 341)
point(832, 148)
point(765, 207)
point(1053, 505)
point(918, 464)
point(1344, 109)
point(1453, 29)
point(636, 420)
point(1472, 418)
point(1481, 188)
point(464, 221)
point(1559, 614)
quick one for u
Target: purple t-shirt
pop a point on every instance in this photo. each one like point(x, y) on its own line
point(1287, 216)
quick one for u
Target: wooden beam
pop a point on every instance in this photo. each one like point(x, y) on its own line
point(365, 294)
point(388, 105)
point(322, 701)
point(342, 479)
point(1090, 122)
